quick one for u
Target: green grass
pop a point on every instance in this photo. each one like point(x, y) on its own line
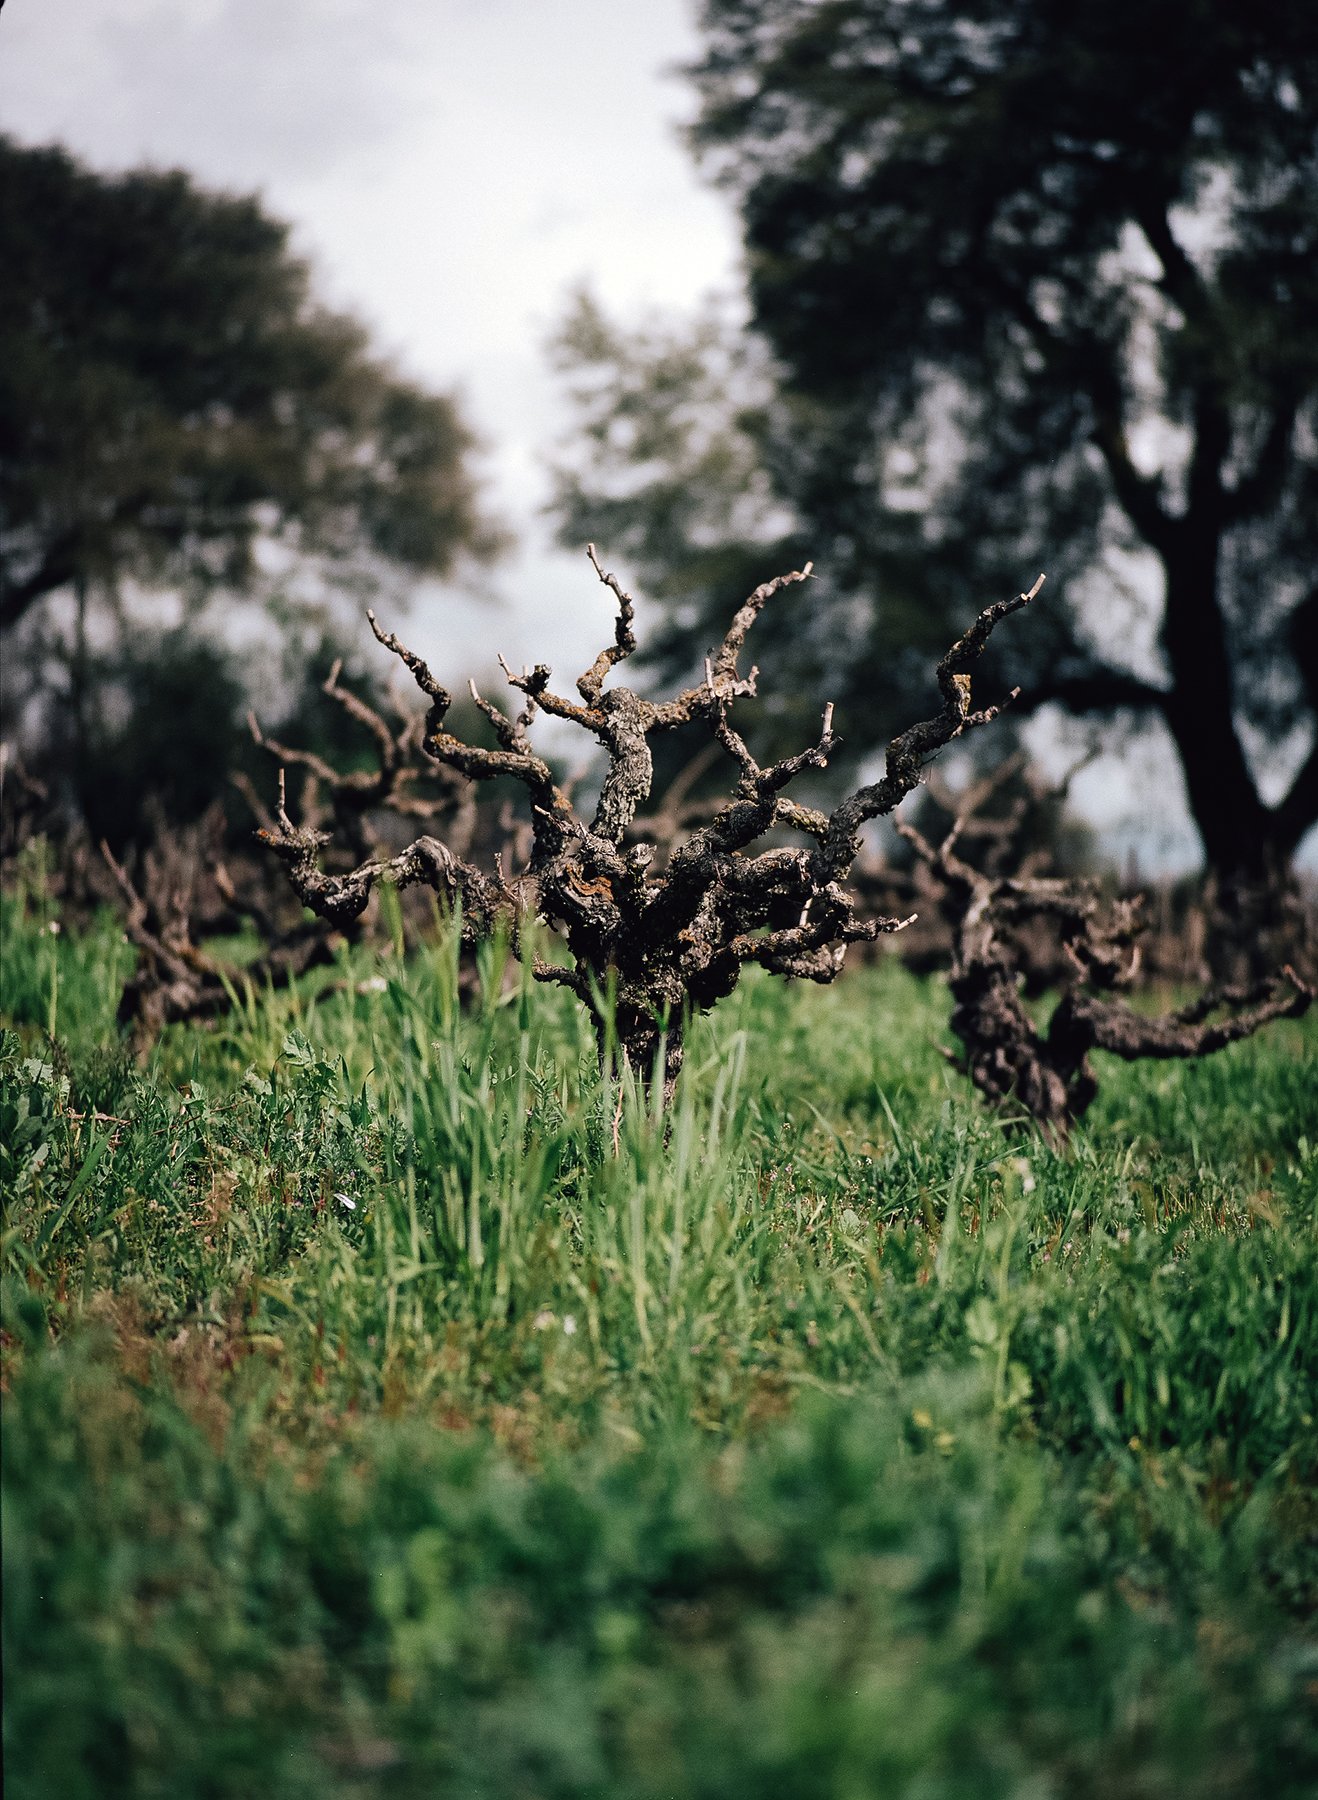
point(389, 1413)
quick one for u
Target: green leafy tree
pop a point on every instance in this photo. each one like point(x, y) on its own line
point(178, 413)
point(171, 396)
point(1038, 287)
point(685, 456)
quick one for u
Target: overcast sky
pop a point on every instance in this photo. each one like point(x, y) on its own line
point(454, 168)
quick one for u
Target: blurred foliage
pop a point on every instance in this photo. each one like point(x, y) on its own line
point(160, 729)
point(682, 464)
point(171, 394)
point(179, 416)
point(1027, 290)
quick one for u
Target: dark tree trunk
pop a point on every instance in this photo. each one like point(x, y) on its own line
point(646, 1046)
point(1234, 824)
point(1256, 919)
point(1004, 1053)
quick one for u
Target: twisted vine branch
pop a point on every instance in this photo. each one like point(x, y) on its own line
point(664, 944)
point(1047, 1071)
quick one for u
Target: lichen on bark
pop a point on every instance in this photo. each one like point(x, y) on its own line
point(760, 881)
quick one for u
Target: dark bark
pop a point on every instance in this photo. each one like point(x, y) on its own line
point(1047, 1074)
point(1235, 825)
point(650, 946)
point(1246, 844)
point(57, 570)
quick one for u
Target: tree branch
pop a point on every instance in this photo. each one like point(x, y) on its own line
point(1088, 363)
point(674, 941)
point(591, 685)
point(908, 753)
point(1101, 689)
point(1114, 1027)
point(1048, 1073)
point(1140, 496)
point(1181, 280)
point(57, 570)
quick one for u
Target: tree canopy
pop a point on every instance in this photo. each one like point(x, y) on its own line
point(1037, 287)
point(171, 394)
point(179, 414)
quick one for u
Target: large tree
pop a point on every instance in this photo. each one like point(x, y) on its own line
point(178, 414)
point(172, 396)
point(1040, 284)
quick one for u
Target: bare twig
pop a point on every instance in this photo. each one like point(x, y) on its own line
point(175, 980)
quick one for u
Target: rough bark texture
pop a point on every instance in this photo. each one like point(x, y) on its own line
point(1047, 1073)
point(653, 939)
